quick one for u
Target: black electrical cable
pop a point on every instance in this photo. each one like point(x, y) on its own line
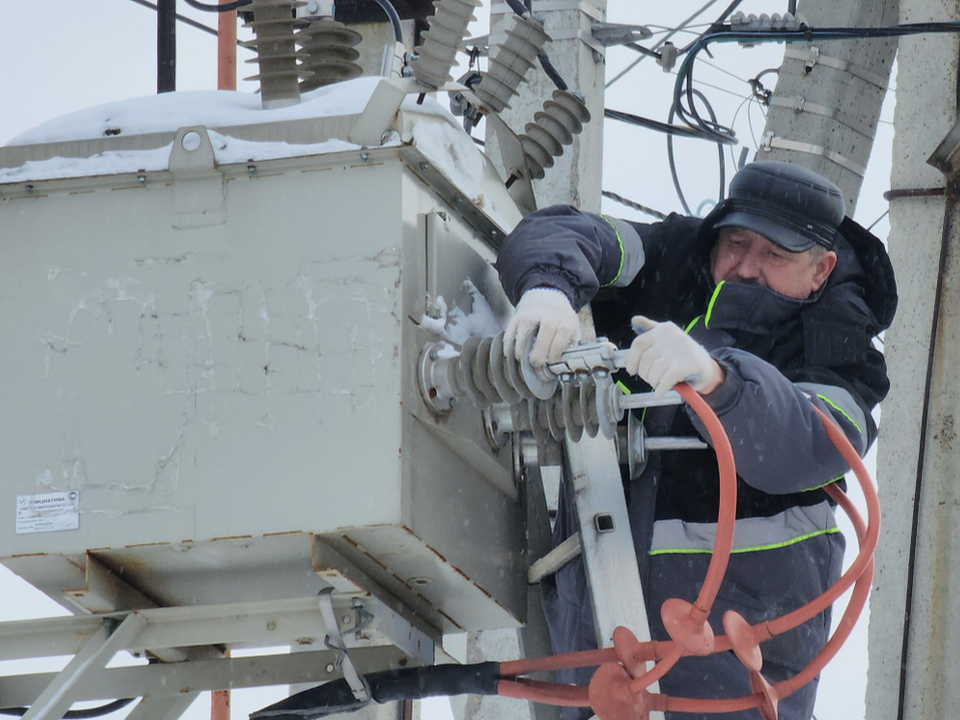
point(407, 683)
point(551, 71)
point(683, 89)
point(643, 51)
point(387, 6)
point(520, 9)
point(83, 714)
point(673, 164)
point(181, 18)
point(651, 124)
point(229, 7)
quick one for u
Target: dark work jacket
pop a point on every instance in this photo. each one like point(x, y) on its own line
point(781, 356)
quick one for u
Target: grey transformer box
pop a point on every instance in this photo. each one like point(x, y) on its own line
point(211, 375)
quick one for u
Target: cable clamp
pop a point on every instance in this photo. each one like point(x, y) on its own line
point(771, 142)
point(815, 57)
point(334, 641)
point(799, 104)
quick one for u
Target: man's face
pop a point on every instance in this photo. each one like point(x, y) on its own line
point(743, 256)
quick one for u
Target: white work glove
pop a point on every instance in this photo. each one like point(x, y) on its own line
point(663, 355)
point(550, 314)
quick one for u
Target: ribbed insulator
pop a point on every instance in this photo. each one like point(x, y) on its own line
point(510, 61)
point(274, 24)
point(561, 119)
point(437, 54)
point(327, 53)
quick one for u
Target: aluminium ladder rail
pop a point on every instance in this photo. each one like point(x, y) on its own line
point(168, 689)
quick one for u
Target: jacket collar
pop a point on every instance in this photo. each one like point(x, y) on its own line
point(751, 308)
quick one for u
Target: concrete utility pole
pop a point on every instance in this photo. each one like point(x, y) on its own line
point(825, 109)
point(914, 628)
point(575, 178)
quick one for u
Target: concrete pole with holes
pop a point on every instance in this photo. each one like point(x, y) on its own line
point(824, 112)
point(575, 178)
point(914, 628)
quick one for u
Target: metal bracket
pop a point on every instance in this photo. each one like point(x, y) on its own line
point(814, 57)
point(334, 641)
point(198, 187)
point(771, 142)
point(799, 104)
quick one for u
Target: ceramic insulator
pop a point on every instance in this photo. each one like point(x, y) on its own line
point(274, 24)
point(437, 54)
point(561, 119)
point(328, 53)
point(510, 61)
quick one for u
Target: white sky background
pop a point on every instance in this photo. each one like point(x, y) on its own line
point(65, 55)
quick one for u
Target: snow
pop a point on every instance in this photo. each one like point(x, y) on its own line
point(436, 133)
point(110, 162)
point(167, 112)
point(452, 150)
point(455, 325)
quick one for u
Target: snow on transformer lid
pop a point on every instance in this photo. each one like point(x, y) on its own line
point(135, 135)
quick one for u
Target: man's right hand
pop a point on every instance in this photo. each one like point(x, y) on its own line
point(548, 313)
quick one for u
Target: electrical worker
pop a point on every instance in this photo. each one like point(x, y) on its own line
point(768, 305)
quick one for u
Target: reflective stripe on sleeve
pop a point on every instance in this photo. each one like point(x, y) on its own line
point(842, 401)
point(631, 252)
point(750, 534)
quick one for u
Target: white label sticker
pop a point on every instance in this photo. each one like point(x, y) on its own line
point(48, 512)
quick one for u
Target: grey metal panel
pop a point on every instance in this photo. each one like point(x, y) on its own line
point(222, 388)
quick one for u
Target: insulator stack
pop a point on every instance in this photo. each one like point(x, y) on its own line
point(328, 53)
point(274, 26)
point(586, 401)
point(561, 119)
point(447, 28)
point(510, 61)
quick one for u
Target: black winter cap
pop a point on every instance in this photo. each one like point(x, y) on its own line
point(793, 207)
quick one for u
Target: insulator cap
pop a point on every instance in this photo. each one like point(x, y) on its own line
point(510, 61)
point(442, 41)
point(328, 53)
point(274, 24)
point(561, 119)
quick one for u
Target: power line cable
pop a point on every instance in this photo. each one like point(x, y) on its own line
point(874, 223)
point(673, 164)
point(683, 89)
point(228, 7)
point(666, 37)
point(182, 18)
point(386, 5)
point(82, 714)
point(523, 10)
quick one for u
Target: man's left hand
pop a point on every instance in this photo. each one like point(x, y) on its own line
point(663, 355)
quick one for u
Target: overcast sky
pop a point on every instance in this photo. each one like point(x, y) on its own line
point(64, 55)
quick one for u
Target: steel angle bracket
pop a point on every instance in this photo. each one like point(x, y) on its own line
point(334, 641)
point(381, 110)
point(514, 163)
point(433, 176)
point(199, 195)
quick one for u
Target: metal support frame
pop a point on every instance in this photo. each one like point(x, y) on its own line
point(386, 640)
